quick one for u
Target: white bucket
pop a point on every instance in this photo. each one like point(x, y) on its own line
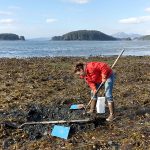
point(100, 105)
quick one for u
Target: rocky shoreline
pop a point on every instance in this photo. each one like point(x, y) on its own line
point(37, 89)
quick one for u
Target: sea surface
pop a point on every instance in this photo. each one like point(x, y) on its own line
point(31, 48)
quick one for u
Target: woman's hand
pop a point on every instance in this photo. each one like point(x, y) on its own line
point(103, 78)
point(94, 91)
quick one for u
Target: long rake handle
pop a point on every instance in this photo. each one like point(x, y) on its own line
point(54, 122)
point(93, 96)
point(103, 83)
point(117, 58)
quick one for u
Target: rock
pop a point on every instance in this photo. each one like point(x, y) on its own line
point(22, 38)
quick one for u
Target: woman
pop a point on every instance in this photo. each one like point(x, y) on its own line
point(94, 74)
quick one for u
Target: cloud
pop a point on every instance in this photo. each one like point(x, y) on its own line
point(135, 20)
point(7, 21)
point(79, 1)
point(147, 9)
point(51, 20)
point(5, 13)
point(14, 7)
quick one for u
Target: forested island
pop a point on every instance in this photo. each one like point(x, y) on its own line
point(85, 35)
point(146, 37)
point(11, 36)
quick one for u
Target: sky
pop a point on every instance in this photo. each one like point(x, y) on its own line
point(47, 18)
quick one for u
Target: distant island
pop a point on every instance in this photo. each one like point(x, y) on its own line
point(90, 35)
point(146, 37)
point(11, 36)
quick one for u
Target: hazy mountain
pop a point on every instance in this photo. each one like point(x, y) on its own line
point(125, 35)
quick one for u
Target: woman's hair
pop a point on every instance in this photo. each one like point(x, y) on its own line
point(79, 66)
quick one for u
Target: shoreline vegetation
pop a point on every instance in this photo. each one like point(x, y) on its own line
point(41, 89)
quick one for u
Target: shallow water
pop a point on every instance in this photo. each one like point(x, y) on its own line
point(31, 48)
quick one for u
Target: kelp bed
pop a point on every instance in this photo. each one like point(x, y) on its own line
point(42, 89)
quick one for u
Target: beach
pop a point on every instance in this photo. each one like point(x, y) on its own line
point(32, 89)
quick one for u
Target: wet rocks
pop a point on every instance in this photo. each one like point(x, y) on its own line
point(34, 114)
point(42, 89)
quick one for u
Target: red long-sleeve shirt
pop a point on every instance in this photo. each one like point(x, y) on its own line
point(94, 72)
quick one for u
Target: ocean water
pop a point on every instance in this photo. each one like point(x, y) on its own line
point(31, 48)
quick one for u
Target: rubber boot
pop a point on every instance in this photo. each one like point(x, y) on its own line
point(92, 107)
point(112, 111)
